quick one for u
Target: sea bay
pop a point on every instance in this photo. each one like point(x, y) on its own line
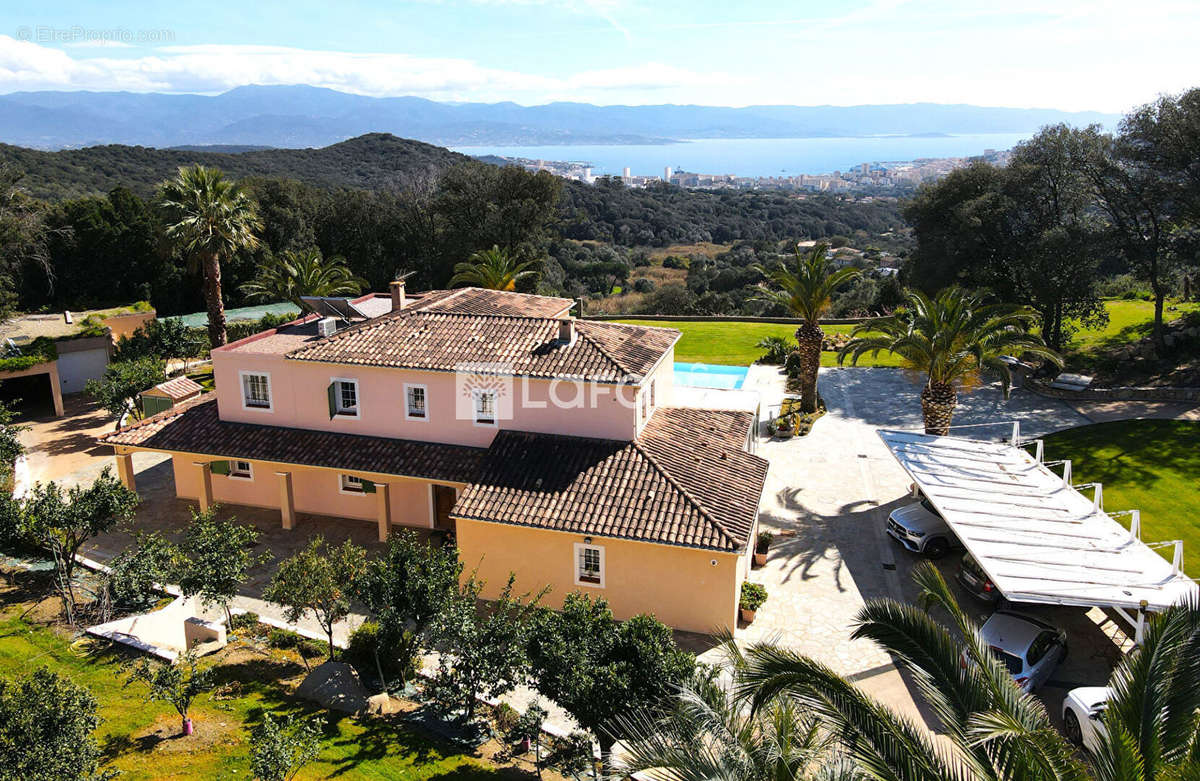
point(758, 156)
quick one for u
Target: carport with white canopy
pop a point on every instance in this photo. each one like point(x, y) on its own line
point(1035, 535)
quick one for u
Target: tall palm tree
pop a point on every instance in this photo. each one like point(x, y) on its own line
point(995, 732)
point(951, 338)
point(494, 269)
point(293, 274)
point(212, 219)
point(806, 289)
point(707, 732)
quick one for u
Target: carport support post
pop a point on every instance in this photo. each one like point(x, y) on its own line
point(125, 470)
point(287, 501)
point(383, 498)
point(206, 492)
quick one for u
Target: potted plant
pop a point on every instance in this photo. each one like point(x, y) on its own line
point(760, 548)
point(753, 596)
point(784, 427)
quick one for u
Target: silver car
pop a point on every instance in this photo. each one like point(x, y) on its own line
point(919, 528)
point(1030, 648)
point(1083, 716)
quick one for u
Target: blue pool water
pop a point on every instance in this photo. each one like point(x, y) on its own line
point(706, 375)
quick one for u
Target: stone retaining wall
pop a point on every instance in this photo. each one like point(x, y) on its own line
point(1116, 394)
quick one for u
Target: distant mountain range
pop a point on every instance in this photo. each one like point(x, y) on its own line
point(302, 116)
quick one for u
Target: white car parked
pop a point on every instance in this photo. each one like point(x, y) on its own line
point(1083, 716)
point(919, 528)
point(1031, 649)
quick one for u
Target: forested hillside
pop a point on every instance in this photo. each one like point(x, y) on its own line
point(378, 161)
point(387, 204)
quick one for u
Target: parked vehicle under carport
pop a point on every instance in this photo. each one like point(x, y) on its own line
point(920, 529)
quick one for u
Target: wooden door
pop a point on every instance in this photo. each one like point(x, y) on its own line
point(444, 498)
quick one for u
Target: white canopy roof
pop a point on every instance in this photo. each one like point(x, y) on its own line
point(1037, 538)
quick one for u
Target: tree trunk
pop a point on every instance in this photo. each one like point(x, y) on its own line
point(212, 299)
point(937, 404)
point(1160, 344)
point(809, 337)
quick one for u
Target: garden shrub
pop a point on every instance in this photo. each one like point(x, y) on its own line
point(243, 621)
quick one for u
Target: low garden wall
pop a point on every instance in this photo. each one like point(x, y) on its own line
point(1116, 394)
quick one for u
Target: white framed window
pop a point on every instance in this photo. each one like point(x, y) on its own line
point(416, 400)
point(589, 565)
point(344, 397)
point(242, 470)
point(349, 484)
point(256, 390)
point(651, 394)
point(485, 407)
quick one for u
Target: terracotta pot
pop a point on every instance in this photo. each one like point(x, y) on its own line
point(748, 615)
point(760, 559)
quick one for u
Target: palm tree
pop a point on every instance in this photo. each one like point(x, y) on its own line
point(951, 338)
point(805, 289)
point(995, 731)
point(212, 219)
point(293, 274)
point(707, 732)
point(494, 269)
point(1153, 715)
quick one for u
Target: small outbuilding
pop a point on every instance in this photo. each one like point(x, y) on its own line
point(167, 394)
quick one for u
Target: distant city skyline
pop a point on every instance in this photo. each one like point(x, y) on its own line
point(1068, 54)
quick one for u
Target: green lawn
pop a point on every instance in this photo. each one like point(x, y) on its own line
point(370, 749)
point(1147, 465)
point(733, 342)
point(1128, 321)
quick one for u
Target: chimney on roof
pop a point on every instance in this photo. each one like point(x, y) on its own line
point(396, 288)
point(566, 331)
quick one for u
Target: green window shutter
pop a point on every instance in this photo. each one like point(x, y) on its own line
point(152, 405)
point(219, 467)
point(331, 393)
point(368, 487)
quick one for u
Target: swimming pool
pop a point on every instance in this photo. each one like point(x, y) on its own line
point(707, 375)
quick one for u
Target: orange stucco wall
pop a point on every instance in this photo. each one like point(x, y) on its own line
point(313, 490)
point(681, 586)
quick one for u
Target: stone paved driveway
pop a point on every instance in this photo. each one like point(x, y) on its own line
point(834, 488)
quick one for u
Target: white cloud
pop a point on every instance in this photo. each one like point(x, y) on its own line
point(215, 68)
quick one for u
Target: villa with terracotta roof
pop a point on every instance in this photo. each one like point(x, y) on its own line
point(548, 446)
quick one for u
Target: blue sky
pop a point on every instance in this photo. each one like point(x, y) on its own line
point(1068, 54)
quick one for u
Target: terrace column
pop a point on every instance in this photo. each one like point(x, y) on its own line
point(287, 500)
point(383, 499)
point(206, 492)
point(125, 470)
point(56, 390)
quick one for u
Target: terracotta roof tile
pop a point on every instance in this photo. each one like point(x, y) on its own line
point(478, 301)
point(193, 427)
point(179, 388)
point(527, 346)
point(653, 489)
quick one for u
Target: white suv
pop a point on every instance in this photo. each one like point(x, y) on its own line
point(919, 528)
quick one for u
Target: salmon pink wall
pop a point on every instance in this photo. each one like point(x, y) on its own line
point(299, 400)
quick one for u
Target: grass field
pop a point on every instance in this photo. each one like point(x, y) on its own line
point(1147, 465)
point(139, 738)
point(733, 343)
point(1128, 321)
